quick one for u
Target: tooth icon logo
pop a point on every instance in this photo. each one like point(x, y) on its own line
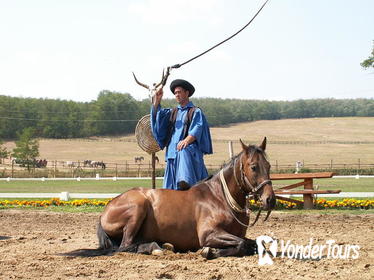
point(264, 257)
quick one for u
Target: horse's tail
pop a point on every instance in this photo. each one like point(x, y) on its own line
point(107, 246)
point(105, 242)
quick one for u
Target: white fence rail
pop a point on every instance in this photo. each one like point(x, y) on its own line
point(9, 179)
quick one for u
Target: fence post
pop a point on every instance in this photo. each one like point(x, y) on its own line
point(331, 164)
point(54, 168)
point(359, 167)
point(308, 198)
point(231, 150)
point(153, 170)
point(12, 168)
point(116, 170)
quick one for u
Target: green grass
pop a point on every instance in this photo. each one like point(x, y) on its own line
point(343, 184)
point(91, 186)
point(109, 186)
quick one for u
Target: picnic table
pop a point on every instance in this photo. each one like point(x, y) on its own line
point(308, 192)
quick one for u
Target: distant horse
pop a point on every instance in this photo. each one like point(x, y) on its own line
point(41, 163)
point(100, 164)
point(87, 163)
point(211, 214)
point(138, 159)
point(96, 164)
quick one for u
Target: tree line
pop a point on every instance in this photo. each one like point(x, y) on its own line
point(115, 113)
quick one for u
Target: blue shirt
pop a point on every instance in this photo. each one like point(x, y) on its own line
point(199, 128)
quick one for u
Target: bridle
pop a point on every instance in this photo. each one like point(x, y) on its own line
point(245, 186)
point(247, 189)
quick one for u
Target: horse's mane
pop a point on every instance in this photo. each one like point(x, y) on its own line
point(250, 150)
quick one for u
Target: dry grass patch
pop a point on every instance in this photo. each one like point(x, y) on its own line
point(331, 130)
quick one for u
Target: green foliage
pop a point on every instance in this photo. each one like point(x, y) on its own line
point(115, 113)
point(27, 148)
point(3, 152)
point(369, 62)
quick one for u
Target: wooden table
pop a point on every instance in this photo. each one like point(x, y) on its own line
point(308, 192)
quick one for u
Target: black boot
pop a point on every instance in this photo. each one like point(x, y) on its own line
point(183, 185)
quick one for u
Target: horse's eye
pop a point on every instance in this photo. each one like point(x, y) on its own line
point(253, 167)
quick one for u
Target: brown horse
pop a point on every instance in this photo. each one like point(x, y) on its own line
point(211, 214)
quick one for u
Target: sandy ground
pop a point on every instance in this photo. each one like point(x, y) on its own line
point(31, 240)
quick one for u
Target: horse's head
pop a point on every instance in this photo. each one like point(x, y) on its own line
point(255, 170)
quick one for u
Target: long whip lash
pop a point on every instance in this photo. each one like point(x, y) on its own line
point(153, 89)
point(220, 43)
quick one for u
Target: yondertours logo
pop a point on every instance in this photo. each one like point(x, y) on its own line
point(330, 249)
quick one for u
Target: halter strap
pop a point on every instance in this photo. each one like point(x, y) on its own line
point(252, 190)
point(234, 205)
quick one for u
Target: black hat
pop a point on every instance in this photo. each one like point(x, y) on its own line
point(183, 84)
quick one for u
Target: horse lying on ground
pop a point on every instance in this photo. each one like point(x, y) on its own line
point(211, 214)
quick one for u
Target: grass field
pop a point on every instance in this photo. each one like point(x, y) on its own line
point(108, 186)
point(315, 140)
point(73, 186)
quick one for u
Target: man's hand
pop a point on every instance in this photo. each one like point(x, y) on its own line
point(185, 142)
point(158, 97)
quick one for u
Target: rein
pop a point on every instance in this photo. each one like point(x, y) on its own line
point(230, 200)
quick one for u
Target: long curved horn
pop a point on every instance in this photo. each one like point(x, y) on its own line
point(139, 83)
point(164, 77)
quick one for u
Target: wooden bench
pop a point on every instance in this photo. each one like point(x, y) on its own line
point(308, 192)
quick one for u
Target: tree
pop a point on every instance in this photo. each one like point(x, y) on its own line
point(3, 152)
point(367, 63)
point(27, 148)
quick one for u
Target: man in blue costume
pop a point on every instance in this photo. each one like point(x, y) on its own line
point(186, 138)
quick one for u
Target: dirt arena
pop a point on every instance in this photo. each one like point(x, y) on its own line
point(30, 240)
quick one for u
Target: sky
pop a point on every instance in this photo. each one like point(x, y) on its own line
point(294, 49)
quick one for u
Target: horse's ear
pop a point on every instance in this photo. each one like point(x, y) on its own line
point(244, 147)
point(263, 144)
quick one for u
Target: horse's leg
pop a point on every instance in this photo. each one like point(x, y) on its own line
point(143, 248)
point(223, 244)
point(148, 248)
point(137, 215)
point(250, 246)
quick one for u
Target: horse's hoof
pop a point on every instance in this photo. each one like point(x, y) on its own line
point(168, 247)
point(206, 253)
point(157, 252)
